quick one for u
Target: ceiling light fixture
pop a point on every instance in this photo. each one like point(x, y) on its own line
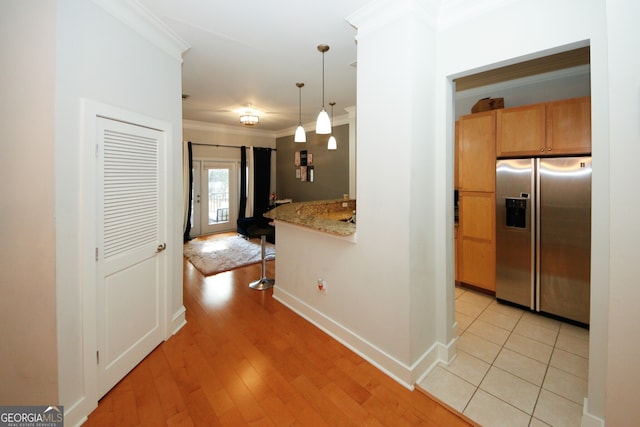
point(301, 135)
point(332, 143)
point(250, 116)
point(249, 119)
point(323, 124)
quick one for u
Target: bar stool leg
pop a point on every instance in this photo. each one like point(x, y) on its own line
point(263, 283)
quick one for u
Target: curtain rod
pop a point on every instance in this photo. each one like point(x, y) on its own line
point(225, 146)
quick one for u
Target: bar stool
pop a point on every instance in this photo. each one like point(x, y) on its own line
point(263, 282)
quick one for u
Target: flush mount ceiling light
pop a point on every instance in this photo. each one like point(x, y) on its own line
point(249, 119)
point(323, 124)
point(332, 143)
point(301, 135)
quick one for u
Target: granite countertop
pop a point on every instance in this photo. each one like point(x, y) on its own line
point(329, 216)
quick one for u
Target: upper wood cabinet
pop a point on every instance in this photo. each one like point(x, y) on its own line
point(521, 131)
point(477, 152)
point(547, 129)
point(569, 126)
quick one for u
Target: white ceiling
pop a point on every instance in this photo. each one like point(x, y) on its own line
point(253, 52)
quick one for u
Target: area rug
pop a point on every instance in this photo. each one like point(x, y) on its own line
point(212, 256)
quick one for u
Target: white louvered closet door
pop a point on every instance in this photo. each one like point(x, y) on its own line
point(130, 258)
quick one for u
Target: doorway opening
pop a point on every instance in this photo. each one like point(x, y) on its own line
point(215, 196)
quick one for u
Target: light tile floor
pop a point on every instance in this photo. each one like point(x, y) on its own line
point(513, 367)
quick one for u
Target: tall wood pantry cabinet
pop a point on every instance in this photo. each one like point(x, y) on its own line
point(475, 261)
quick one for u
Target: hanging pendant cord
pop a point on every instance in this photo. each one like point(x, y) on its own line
point(322, 79)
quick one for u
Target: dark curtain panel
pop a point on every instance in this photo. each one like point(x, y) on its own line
point(261, 180)
point(187, 229)
point(243, 182)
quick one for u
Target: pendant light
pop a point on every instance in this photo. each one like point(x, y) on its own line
point(332, 143)
point(301, 135)
point(323, 124)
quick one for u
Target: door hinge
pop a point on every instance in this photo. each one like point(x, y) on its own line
point(98, 357)
point(97, 150)
point(96, 254)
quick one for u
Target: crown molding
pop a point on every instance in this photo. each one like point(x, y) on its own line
point(226, 129)
point(139, 19)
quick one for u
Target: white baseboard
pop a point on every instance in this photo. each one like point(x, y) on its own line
point(178, 320)
point(443, 354)
point(397, 370)
point(588, 419)
point(78, 413)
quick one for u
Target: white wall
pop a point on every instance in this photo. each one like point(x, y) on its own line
point(28, 356)
point(622, 370)
point(101, 59)
point(381, 299)
point(512, 33)
point(509, 32)
point(208, 133)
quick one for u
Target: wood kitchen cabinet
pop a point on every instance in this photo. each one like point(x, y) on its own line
point(546, 129)
point(475, 173)
point(476, 262)
point(477, 152)
point(569, 126)
point(521, 131)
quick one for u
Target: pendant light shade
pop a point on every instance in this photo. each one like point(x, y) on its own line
point(301, 135)
point(332, 144)
point(323, 124)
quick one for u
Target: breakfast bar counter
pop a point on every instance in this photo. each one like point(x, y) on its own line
point(335, 216)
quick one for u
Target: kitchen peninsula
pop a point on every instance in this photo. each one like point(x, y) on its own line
point(328, 216)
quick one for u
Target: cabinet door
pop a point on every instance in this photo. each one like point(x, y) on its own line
point(476, 239)
point(520, 131)
point(477, 152)
point(569, 126)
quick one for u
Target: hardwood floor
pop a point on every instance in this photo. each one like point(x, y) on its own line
point(245, 359)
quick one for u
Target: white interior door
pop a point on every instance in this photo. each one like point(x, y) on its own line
point(218, 196)
point(131, 211)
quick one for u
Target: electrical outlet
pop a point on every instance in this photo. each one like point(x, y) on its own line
point(322, 286)
point(345, 204)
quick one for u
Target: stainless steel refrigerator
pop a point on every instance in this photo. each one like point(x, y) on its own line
point(543, 235)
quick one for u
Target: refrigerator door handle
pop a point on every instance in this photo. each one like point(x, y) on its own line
point(536, 239)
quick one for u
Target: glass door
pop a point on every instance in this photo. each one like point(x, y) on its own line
point(218, 196)
point(214, 202)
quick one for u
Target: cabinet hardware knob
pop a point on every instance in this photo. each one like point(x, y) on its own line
point(161, 247)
